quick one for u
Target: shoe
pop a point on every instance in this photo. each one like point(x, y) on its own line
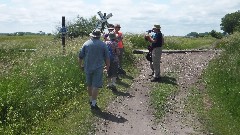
point(112, 87)
point(151, 74)
point(95, 107)
point(156, 79)
point(121, 71)
point(118, 79)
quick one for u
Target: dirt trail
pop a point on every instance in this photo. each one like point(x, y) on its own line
point(131, 113)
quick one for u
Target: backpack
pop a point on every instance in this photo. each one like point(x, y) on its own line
point(149, 54)
point(110, 53)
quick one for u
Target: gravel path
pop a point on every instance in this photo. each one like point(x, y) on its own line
point(131, 114)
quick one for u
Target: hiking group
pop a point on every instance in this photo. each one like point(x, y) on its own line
point(95, 53)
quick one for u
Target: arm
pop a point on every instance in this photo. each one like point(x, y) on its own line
point(150, 39)
point(80, 58)
point(80, 63)
point(107, 62)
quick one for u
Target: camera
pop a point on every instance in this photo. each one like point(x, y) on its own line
point(149, 31)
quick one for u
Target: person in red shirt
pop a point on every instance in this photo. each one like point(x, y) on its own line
point(119, 38)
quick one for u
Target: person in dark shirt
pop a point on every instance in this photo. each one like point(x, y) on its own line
point(157, 43)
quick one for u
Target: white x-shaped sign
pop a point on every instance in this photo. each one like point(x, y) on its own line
point(103, 19)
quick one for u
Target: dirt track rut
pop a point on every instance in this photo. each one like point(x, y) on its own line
point(131, 114)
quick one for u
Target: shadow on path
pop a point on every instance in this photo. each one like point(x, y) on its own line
point(109, 116)
point(168, 80)
point(125, 85)
point(120, 93)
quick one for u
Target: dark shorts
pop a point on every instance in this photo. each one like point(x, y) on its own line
point(112, 72)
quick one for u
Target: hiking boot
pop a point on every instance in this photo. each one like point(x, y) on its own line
point(111, 87)
point(156, 79)
point(151, 74)
point(118, 79)
point(95, 107)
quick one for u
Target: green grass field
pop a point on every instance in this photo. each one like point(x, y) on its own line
point(43, 92)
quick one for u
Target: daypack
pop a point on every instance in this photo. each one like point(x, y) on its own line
point(149, 54)
point(111, 56)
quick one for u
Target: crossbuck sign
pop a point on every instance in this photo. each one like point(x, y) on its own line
point(101, 23)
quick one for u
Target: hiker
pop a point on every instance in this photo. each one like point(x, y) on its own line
point(110, 29)
point(119, 35)
point(157, 43)
point(113, 53)
point(94, 53)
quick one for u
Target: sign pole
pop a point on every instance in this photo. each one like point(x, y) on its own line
point(63, 30)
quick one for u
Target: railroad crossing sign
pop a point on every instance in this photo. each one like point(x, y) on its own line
point(101, 23)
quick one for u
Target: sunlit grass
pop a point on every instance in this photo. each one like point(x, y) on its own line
point(223, 83)
point(43, 91)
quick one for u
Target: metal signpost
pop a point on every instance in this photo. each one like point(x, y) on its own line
point(63, 31)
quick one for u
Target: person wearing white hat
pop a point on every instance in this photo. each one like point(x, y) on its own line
point(94, 53)
point(157, 43)
point(110, 29)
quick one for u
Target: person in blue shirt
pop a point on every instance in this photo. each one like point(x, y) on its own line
point(157, 43)
point(94, 53)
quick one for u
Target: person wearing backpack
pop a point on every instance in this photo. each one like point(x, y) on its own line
point(157, 43)
point(114, 60)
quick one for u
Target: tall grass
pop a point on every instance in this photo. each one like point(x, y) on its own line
point(32, 84)
point(223, 85)
point(41, 89)
point(173, 43)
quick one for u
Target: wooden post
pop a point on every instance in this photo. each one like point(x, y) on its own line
point(63, 30)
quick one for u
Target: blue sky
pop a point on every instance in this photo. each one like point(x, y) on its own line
point(176, 17)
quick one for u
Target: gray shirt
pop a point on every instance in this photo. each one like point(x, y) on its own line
point(94, 52)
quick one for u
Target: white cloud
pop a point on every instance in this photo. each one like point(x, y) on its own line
point(177, 17)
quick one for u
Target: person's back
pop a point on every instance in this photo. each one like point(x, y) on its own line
point(95, 54)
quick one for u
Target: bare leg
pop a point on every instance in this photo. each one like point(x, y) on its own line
point(94, 95)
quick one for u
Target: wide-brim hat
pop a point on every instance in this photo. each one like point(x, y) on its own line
point(111, 28)
point(156, 26)
point(117, 26)
point(96, 33)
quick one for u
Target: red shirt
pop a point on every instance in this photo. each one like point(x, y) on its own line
point(119, 38)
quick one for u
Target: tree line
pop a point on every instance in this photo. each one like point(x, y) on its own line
point(230, 23)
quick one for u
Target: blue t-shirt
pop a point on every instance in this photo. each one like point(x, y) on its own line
point(94, 52)
point(159, 38)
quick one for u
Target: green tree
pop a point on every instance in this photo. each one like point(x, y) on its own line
point(215, 34)
point(194, 34)
point(231, 22)
point(81, 27)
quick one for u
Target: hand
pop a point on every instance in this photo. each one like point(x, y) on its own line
point(147, 37)
point(106, 68)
